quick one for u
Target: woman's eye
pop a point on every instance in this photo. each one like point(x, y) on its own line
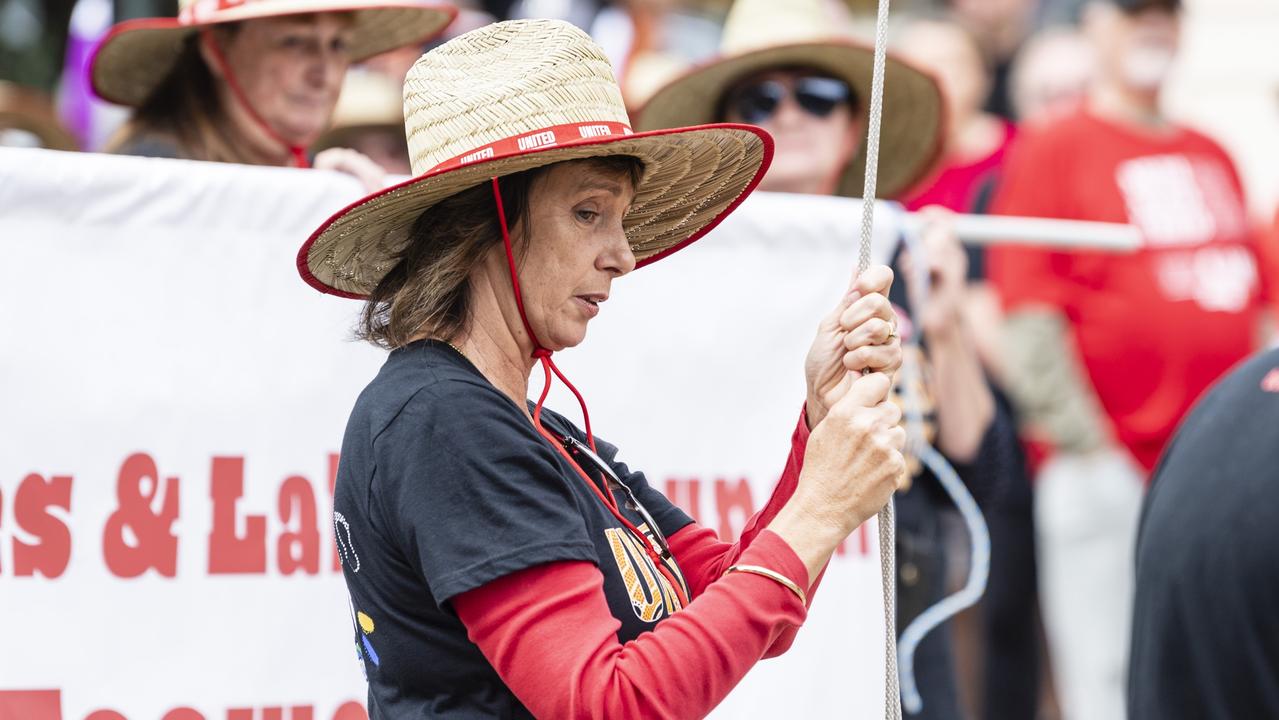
point(587, 215)
point(292, 42)
point(338, 45)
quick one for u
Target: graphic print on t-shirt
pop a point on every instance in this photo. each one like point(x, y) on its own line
point(651, 593)
point(364, 625)
point(1190, 216)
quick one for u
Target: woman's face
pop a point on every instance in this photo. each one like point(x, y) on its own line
point(574, 248)
point(290, 69)
point(815, 137)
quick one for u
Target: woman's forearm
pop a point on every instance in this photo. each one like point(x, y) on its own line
point(965, 405)
point(814, 542)
point(703, 557)
point(549, 634)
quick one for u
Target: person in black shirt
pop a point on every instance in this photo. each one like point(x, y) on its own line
point(1205, 633)
point(501, 561)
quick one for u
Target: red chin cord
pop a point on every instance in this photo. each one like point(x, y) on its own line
point(548, 367)
point(296, 151)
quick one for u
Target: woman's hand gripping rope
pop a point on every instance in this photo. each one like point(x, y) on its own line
point(858, 336)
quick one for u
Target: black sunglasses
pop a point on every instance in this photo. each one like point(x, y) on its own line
point(581, 450)
point(816, 95)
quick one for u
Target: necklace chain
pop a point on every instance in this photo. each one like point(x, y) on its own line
point(456, 349)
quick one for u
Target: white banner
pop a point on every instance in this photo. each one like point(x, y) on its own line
point(172, 399)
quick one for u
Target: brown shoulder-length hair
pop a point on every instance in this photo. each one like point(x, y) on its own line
point(427, 292)
point(187, 107)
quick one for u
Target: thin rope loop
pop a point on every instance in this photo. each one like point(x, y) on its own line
point(974, 522)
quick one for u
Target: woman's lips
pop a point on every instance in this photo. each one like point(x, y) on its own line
point(590, 304)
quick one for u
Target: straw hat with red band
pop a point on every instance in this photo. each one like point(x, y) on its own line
point(136, 55)
point(518, 95)
point(762, 35)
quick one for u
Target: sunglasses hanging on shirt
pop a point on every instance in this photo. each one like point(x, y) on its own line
point(756, 102)
point(608, 482)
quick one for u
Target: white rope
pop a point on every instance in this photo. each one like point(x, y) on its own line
point(872, 134)
point(887, 554)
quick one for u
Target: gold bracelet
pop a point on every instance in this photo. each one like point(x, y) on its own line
point(775, 576)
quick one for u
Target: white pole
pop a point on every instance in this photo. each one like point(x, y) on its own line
point(1064, 234)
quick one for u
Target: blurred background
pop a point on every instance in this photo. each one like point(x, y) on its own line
point(1226, 82)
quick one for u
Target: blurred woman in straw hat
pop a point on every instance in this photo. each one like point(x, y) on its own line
point(247, 81)
point(803, 50)
point(502, 562)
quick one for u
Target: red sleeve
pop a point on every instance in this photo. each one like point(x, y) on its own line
point(703, 557)
point(1032, 186)
point(548, 633)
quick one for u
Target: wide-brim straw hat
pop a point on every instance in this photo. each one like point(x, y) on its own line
point(762, 35)
point(136, 55)
point(519, 95)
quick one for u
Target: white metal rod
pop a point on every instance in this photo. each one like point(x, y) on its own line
point(1065, 234)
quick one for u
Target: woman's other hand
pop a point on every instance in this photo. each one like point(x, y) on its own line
point(852, 466)
point(858, 334)
point(351, 162)
point(946, 271)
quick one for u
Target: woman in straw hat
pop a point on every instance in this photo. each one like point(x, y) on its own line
point(502, 562)
point(802, 50)
point(247, 81)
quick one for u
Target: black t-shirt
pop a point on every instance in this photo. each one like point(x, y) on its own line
point(443, 486)
point(1205, 639)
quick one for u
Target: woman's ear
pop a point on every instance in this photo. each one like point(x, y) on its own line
point(210, 56)
point(213, 50)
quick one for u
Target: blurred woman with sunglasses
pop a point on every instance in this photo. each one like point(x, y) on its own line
point(786, 68)
point(791, 69)
point(501, 561)
point(815, 119)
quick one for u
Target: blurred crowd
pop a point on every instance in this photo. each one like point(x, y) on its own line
point(1051, 380)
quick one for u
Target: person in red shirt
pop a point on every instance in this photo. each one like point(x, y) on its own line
point(1107, 352)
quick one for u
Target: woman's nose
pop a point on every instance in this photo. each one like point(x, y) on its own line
point(788, 113)
point(618, 258)
point(328, 65)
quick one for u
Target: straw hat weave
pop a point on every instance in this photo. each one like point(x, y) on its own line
point(762, 35)
point(136, 55)
point(518, 95)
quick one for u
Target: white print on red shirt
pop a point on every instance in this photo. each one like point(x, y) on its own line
point(1188, 211)
point(1219, 278)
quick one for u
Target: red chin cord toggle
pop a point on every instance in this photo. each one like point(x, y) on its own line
point(297, 152)
point(549, 367)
